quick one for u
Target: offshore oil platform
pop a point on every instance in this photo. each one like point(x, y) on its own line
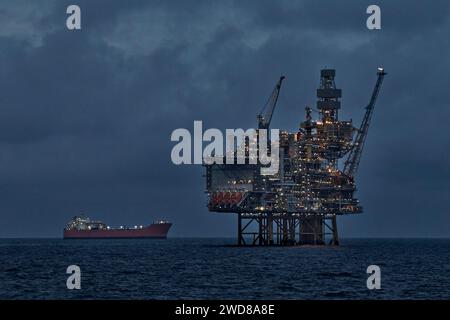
point(299, 204)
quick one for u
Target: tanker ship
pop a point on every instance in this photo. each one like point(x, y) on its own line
point(82, 227)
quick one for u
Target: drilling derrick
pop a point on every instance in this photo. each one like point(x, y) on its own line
point(299, 204)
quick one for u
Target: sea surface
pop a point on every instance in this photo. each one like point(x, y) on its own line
point(209, 269)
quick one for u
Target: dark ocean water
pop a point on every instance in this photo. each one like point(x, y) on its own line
point(206, 269)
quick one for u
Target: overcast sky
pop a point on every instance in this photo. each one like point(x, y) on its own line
point(86, 116)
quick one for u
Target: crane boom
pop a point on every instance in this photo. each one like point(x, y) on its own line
point(265, 118)
point(354, 157)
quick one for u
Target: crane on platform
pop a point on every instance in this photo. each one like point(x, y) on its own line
point(354, 157)
point(266, 113)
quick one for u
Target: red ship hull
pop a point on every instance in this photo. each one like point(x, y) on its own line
point(154, 231)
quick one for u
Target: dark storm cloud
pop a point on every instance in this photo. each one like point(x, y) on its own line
point(86, 116)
